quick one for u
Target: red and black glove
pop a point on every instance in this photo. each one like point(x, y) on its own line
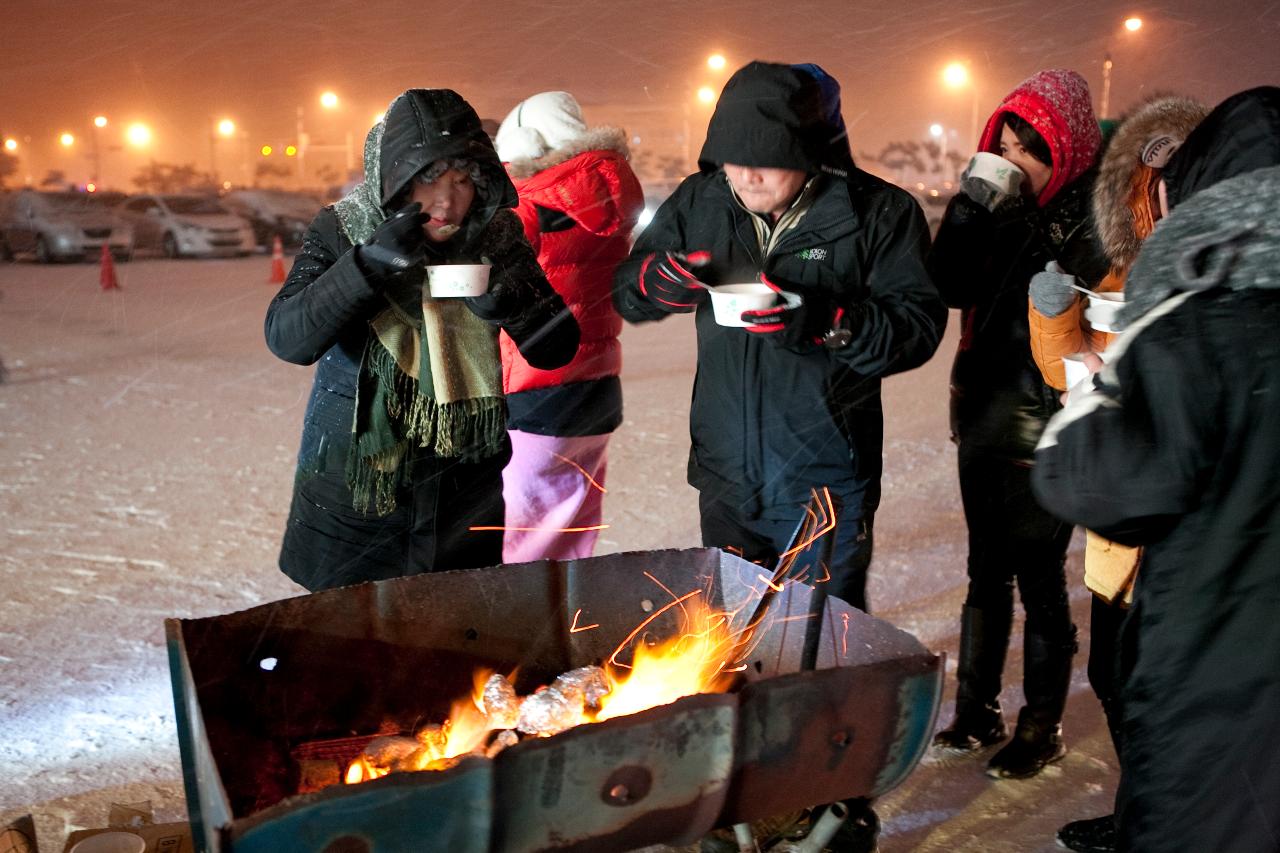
point(667, 280)
point(802, 320)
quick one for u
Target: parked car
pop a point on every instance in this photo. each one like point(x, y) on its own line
point(61, 226)
point(275, 213)
point(186, 225)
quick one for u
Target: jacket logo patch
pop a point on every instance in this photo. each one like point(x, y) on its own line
point(818, 254)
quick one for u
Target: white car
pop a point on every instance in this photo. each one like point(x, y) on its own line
point(186, 225)
point(61, 226)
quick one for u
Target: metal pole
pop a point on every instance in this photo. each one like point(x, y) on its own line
point(97, 157)
point(213, 151)
point(302, 148)
point(1106, 86)
point(973, 119)
point(688, 155)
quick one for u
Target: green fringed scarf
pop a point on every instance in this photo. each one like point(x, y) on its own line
point(430, 376)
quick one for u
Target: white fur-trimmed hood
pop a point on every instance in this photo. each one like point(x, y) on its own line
point(602, 138)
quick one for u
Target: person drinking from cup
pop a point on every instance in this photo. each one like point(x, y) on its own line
point(993, 238)
point(404, 437)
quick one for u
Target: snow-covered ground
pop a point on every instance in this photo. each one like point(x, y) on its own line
point(147, 439)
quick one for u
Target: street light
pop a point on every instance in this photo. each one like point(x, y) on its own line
point(67, 140)
point(11, 144)
point(99, 122)
point(226, 128)
point(955, 75)
point(330, 101)
point(138, 135)
point(705, 95)
point(1131, 25)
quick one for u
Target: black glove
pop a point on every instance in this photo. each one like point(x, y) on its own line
point(527, 308)
point(397, 245)
point(667, 280)
point(547, 335)
point(800, 322)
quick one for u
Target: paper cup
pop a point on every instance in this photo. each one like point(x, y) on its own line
point(446, 281)
point(728, 301)
point(1074, 366)
point(110, 842)
point(1103, 310)
point(993, 169)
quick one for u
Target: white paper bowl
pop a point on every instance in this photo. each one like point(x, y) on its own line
point(445, 281)
point(728, 301)
point(110, 842)
point(1103, 310)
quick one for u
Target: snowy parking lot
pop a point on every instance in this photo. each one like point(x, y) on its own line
point(147, 440)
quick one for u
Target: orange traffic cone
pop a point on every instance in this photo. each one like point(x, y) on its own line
point(277, 262)
point(107, 274)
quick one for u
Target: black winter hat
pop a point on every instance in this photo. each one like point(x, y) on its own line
point(1240, 135)
point(426, 125)
point(774, 116)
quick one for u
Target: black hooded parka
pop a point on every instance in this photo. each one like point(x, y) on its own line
point(769, 423)
point(321, 316)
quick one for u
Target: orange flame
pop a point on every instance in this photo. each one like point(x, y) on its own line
point(692, 662)
point(700, 657)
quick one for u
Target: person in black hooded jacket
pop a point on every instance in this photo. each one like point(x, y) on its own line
point(1174, 445)
point(404, 436)
point(791, 402)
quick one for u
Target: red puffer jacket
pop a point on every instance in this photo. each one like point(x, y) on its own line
point(579, 206)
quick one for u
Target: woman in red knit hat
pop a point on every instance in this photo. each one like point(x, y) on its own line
point(988, 247)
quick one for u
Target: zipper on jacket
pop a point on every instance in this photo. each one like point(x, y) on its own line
point(768, 236)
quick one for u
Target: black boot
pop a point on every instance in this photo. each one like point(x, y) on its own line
point(1095, 835)
point(984, 639)
point(1037, 740)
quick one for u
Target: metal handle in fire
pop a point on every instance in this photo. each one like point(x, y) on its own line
point(816, 526)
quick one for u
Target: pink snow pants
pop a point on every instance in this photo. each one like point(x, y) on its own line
point(552, 483)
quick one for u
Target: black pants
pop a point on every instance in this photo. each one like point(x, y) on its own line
point(762, 540)
point(329, 544)
point(1012, 540)
point(1104, 663)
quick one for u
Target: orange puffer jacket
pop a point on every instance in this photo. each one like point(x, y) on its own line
point(1067, 333)
point(578, 213)
point(1110, 569)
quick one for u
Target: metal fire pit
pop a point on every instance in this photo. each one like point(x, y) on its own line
point(250, 687)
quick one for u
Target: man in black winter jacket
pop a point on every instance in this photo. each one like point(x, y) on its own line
point(791, 402)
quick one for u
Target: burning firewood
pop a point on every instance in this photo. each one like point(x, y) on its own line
point(390, 751)
point(432, 738)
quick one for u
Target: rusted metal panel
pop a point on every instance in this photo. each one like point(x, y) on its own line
point(356, 661)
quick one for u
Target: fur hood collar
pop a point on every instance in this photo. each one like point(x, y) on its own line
point(1224, 236)
point(602, 138)
point(1163, 121)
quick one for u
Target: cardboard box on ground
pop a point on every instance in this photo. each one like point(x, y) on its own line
point(136, 818)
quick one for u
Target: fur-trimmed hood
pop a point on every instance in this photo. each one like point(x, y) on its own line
point(1223, 236)
point(1161, 122)
point(603, 138)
